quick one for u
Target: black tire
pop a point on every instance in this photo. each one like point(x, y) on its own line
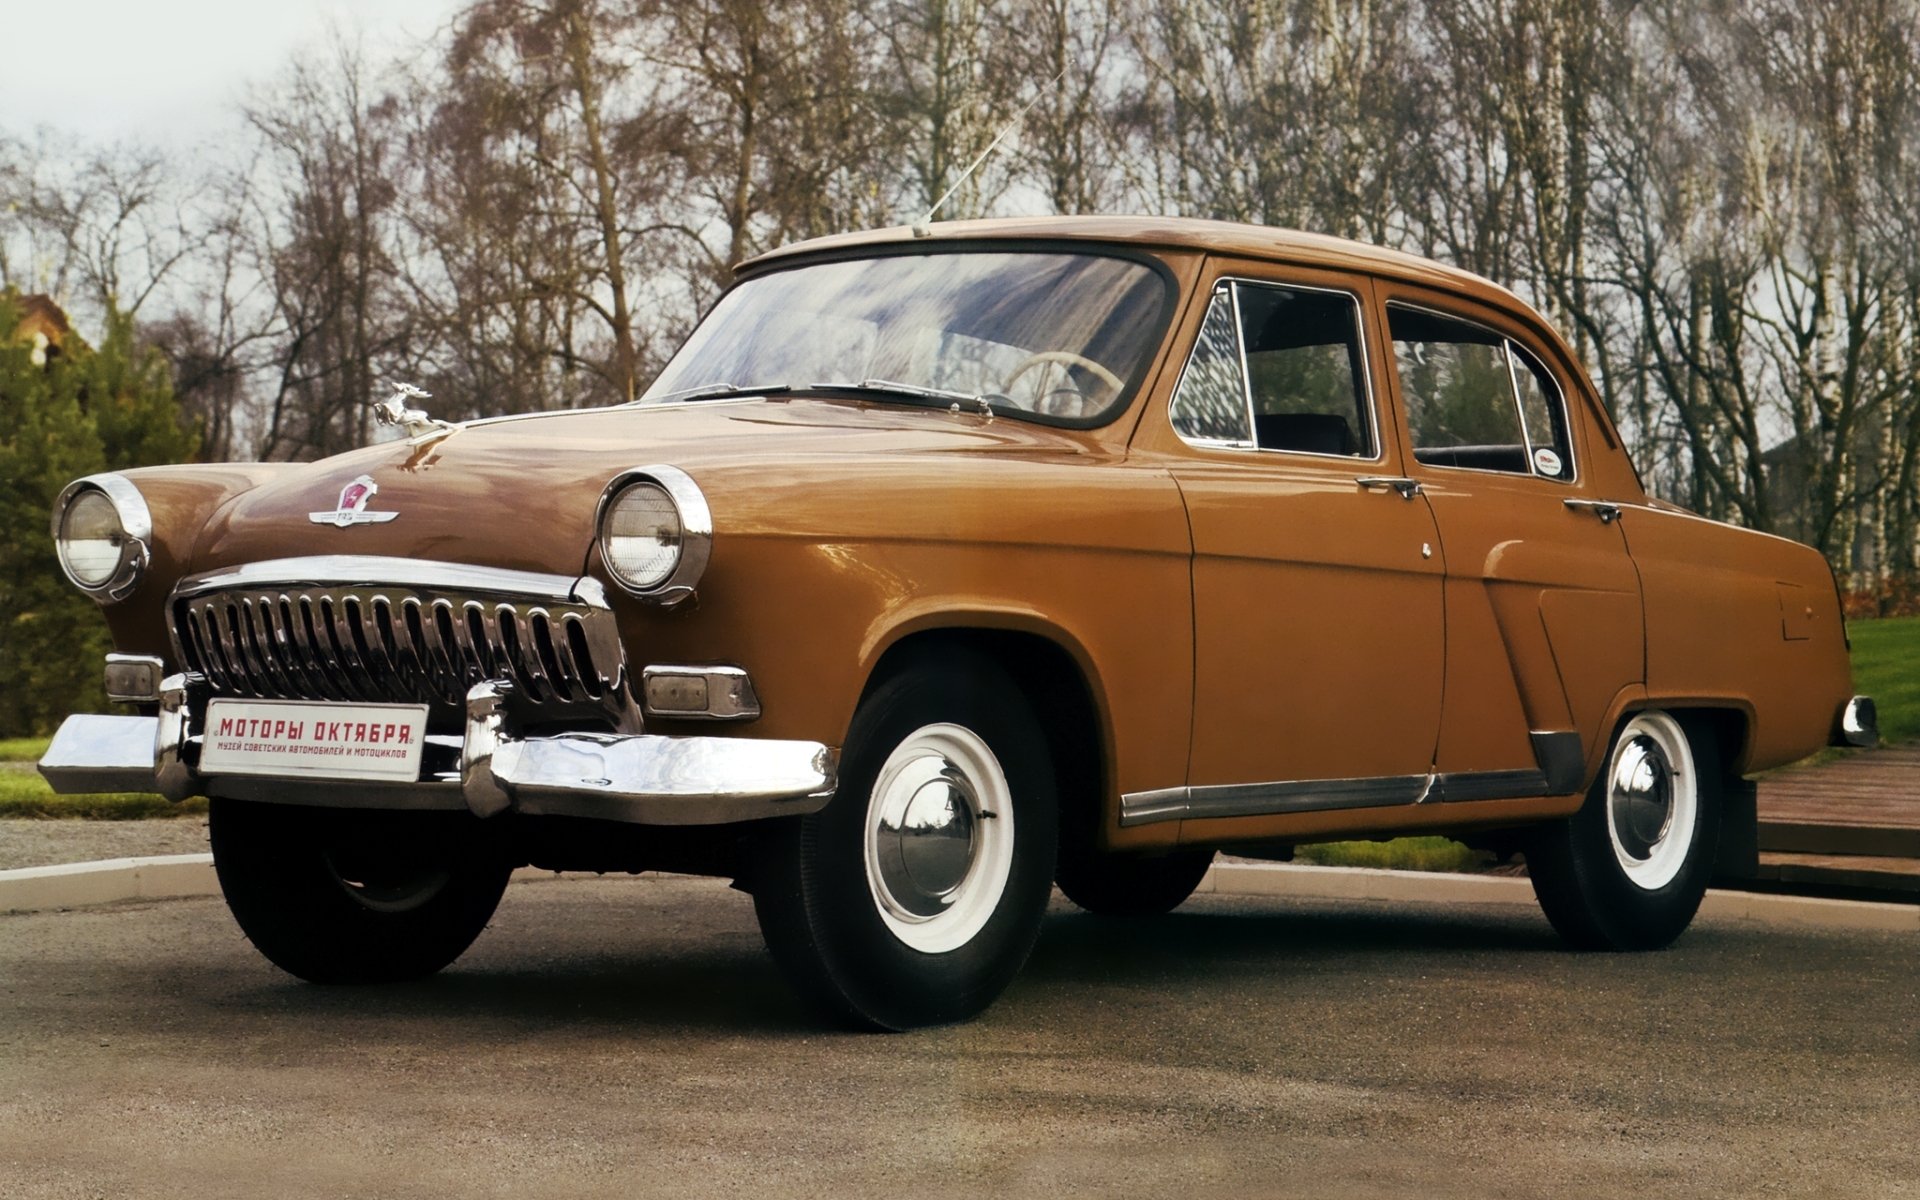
point(1607, 884)
point(1131, 885)
point(830, 916)
point(340, 896)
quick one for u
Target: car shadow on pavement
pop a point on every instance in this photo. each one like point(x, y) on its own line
point(1205, 939)
point(535, 977)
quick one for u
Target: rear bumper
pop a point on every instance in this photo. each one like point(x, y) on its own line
point(640, 778)
point(1858, 723)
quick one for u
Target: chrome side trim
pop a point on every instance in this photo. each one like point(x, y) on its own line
point(1487, 785)
point(1147, 808)
point(1308, 795)
point(1212, 801)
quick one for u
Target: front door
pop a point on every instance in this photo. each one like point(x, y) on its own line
point(1317, 581)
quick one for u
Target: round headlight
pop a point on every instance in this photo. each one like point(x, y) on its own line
point(101, 527)
point(641, 536)
point(90, 539)
point(654, 530)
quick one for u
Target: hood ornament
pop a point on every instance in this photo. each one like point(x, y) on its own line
point(394, 411)
point(352, 509)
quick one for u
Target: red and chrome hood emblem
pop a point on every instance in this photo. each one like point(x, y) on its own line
point(352, 509)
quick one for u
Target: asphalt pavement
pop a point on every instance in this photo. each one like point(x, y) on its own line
point(631, 1037)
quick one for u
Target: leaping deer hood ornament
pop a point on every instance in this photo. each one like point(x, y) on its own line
point(394, 411)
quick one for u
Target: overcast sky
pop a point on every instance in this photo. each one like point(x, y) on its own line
point(170, 71)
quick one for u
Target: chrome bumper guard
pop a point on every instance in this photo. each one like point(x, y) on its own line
point(1858, 724)
point(644, 779)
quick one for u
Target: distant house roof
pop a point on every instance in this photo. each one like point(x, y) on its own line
point(43, 324)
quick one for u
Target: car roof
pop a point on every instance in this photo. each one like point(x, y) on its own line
point(1184, 233)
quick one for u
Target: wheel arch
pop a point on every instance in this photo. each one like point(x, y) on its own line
point(1730, 719)
point(1054, 673)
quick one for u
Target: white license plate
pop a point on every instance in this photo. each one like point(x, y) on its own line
point(297, 740)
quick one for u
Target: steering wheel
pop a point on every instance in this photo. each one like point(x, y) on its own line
point(1065, 358)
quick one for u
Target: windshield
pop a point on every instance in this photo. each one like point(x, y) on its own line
point(1055, 337)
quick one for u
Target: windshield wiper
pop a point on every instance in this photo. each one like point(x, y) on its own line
point(916, 391)
point(716, 391)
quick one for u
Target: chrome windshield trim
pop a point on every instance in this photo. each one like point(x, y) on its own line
point(372, 571)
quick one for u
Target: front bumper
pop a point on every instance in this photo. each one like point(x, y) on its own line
point(645, 779)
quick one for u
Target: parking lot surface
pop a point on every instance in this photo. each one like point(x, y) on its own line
point(631, 1037)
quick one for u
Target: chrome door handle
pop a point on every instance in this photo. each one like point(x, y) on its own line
point(1408, 488)
point(1606, 510)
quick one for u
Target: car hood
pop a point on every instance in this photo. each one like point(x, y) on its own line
point(520, 492)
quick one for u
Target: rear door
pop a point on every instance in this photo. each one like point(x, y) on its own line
point(1543, 611)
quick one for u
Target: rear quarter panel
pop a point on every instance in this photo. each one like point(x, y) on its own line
point(1745, 620)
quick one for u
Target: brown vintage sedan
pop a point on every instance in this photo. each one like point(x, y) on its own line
point(937, 569)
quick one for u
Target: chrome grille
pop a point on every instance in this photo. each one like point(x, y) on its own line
point(311, 636)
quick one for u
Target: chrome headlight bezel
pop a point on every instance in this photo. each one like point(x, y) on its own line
point(135, 538)
point(696, 532)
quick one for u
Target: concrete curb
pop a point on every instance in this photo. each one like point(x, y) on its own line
point(82, 885)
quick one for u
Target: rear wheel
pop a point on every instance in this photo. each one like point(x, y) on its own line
point(1132, 885)
point(336, 896)
point(914, 897)
point(1628, 871)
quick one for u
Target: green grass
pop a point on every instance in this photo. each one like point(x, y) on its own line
point(1399, 854)
point(25, 794)
point(22, 749)
point(1886, 666)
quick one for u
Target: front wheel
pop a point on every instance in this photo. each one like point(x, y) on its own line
point(914, 897)
point(340, 896)
point(1628, 871)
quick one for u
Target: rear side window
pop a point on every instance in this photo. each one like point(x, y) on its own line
point(1277, 368)
point(1475, 400)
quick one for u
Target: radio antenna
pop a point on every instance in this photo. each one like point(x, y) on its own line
point(924, 226)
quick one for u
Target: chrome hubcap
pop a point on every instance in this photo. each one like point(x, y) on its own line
point(939, 844)
point(1653, 796)
point(925, 845)
point(1642, 795)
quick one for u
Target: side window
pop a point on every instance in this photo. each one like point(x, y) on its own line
point(1279, 369)
point(1210, 404)
point(1475, 400)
